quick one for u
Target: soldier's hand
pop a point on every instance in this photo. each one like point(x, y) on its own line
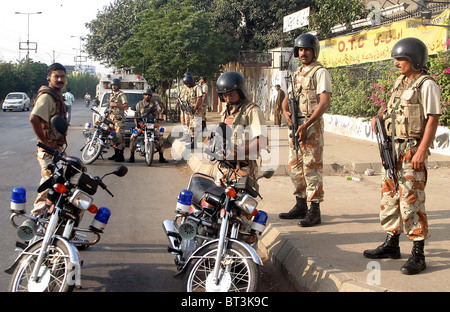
point(301, 133)
point(288, 115)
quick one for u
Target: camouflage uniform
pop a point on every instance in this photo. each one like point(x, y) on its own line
point(190, 95)
point(142, 109)
point(247, 127)
point(117, 115)
point(48, 103)
point(306, 170)
point(405, 211)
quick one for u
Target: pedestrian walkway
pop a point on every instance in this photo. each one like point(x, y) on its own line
point(328, 257)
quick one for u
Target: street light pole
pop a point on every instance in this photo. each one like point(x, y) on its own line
point(79, 57)
point(28, 31)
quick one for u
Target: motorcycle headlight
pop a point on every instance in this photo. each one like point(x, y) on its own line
point(248, 204)
point(81, 200)
point(104, 127)
point(150, 126)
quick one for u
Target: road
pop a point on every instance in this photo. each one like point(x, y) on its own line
point(132, 253)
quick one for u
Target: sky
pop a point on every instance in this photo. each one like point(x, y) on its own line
point(52, 30)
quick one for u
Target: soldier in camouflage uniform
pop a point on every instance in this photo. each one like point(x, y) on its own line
point(118, 105)
point(247, 122)
point(142, 109)
point(312, 86)
point(411, 119)
point(191, 95)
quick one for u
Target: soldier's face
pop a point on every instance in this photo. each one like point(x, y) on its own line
point(57, 79)
point(306, 55)
point(115, 88)
point(231, 97)
point(147, 97)
point(404, 66)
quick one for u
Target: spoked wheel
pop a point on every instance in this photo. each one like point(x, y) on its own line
point(91, 151)
point(149, 152)
point(55, 274)
point(238, 272)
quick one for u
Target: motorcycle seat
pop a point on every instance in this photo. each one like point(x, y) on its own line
point(200, 185)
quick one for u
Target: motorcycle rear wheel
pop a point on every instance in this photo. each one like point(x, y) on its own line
point(91, 151)
point(55, 272)
point(149, 152)
point(242, 274)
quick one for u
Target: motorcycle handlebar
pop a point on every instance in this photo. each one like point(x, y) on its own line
point(51, 151)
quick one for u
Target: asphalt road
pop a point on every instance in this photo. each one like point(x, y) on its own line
point(132, 253)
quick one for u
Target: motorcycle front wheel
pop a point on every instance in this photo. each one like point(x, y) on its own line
point(149, 152)
point(55, 273)
point(238, 272)
point(91, 151)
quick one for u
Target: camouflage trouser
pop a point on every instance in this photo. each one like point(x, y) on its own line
point(119, 137)
point(44, 160)
point(306, 171)
point(195, 124)
point(404, 212)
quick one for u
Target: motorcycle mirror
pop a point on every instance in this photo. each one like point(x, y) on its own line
point(269, 173)
point(60, 124)
point(121, 171)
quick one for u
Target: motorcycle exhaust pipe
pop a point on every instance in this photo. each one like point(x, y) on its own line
point(171, 235)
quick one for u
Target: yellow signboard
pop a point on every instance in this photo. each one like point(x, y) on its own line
point(376, 44)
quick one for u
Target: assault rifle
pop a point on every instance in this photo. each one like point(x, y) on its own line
point(296, 117)
point(385, 146)
point(185, 107)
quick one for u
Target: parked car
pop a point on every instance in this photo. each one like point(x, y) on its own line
point(16, 100)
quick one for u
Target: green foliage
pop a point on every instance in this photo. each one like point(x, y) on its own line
point(340, 11)
point(173, 39)
point(440, 70)
point(112, 28)
point(26, 76)
point(81, 84)
point(364, 91)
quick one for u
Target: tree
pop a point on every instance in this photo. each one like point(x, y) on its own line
point(253, 24)
point(112, 28)
point(342, 12)
point(174, 38)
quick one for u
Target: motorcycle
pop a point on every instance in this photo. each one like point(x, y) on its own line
point(49, 260)
point(215, 230)
point(99, 140)
point(146, 138)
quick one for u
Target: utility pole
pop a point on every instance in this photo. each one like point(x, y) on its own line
point(33, 44)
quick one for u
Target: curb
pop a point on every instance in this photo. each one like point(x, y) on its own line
point(303, 268)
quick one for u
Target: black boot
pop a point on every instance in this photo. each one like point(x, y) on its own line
point(312, 216)
point(116, 153)
point(162, 159)
point(297, 212)
point(389, 249)
point(416, 262)
point(131, 159)
point(120, 157)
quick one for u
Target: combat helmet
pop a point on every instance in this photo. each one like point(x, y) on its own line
point(412, 49)
point(307, 41)
point(230, 81)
